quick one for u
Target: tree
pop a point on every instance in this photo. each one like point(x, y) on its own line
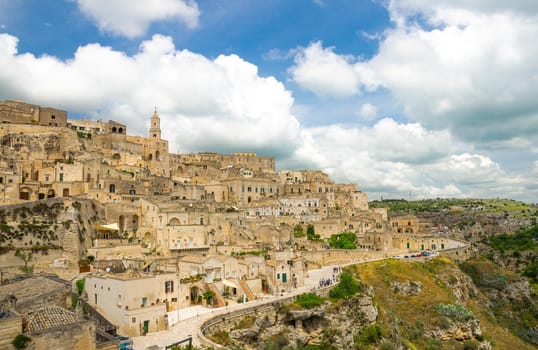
point(344, 240)
point(311, 233)
point(27, 269)
point(208, 296)
point(347, 287)
point(298, 231)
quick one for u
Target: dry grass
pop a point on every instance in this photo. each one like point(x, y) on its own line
point(402, 312)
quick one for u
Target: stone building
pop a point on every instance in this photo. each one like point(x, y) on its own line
point(18, 112)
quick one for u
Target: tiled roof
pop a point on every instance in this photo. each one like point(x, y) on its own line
point(49, 317)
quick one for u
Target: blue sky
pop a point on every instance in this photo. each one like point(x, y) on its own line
point(403, 97)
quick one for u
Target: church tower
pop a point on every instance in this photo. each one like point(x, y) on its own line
point(155, 127)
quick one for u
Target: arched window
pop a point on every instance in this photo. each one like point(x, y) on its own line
point(112, 188)
point(174, 222)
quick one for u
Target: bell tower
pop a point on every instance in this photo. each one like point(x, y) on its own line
point(155, 127)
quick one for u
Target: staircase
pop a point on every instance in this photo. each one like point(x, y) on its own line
point(218, 297)
point(246, 289)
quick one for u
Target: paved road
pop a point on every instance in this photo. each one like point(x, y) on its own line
point(193, 317)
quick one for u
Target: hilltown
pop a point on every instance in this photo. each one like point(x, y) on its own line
point(144, 233)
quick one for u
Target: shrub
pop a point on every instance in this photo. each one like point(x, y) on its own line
point(344, 240)
point(298, 231)
point(444, 323)
point(416, 331)
point(80, 286)
point(347, 287)
point(221, 337)
point(455, 312)
point(387, 346)
point(470, 344)
point(432, 344)
point(21, 341)
point(497, 282)
point(309, 300)
point(369, 335)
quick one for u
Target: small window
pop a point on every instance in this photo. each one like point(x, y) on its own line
point(53, 117)
point(169, 286)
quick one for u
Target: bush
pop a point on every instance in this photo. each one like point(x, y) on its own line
point(21, 341)
point(497, 282)
point(344, 240)
point(444, 323)
point(309, 300)
point(347, 287)
point(387, 346)
point(432, 344)
point(369, 335)
point(80, 286)
point(455, 312)
point(470, 344)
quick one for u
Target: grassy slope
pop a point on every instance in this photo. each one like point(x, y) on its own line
point(489, 206)
point(411, 310)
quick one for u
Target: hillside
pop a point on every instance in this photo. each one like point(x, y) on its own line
point(401, 305)
point(46, 230)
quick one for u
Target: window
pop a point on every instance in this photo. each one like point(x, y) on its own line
point(144, 301)
point(169, 286)
point(53, 117)
point(1, 180)
point(249, 189)
point(61, 176)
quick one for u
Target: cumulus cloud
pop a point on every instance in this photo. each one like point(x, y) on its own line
point(204, 104)
point(472, 73)
point(131, 18)
point(324, 72)
point(396, 160)
point(367, 111)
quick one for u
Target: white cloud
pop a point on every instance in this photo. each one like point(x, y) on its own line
point(367, 111)
point(131, 18)
point(472, 74)
point(323, 72)
point(397, 160)
point(204, 104)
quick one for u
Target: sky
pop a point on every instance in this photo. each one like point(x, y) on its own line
point(408, 99)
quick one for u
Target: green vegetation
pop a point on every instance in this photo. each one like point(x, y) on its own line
point(298, 231)
point(309, 300)
point(485, 206)
point(347, 287)
point(21, 341)
point(209, 296)
point(26, 258)
point(369, 335)
point(246, 322)
point(406, 319)
point(311, 233)
point(523, 240)
point(262, 252)
point(519, 315)
point(221, 337)
point(531, 271)
point(345, 240)
point(455, 312)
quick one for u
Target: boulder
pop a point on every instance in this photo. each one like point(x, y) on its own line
point(407, 288)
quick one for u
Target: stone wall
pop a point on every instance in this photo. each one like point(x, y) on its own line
point(343, 256)
point(78, 336)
